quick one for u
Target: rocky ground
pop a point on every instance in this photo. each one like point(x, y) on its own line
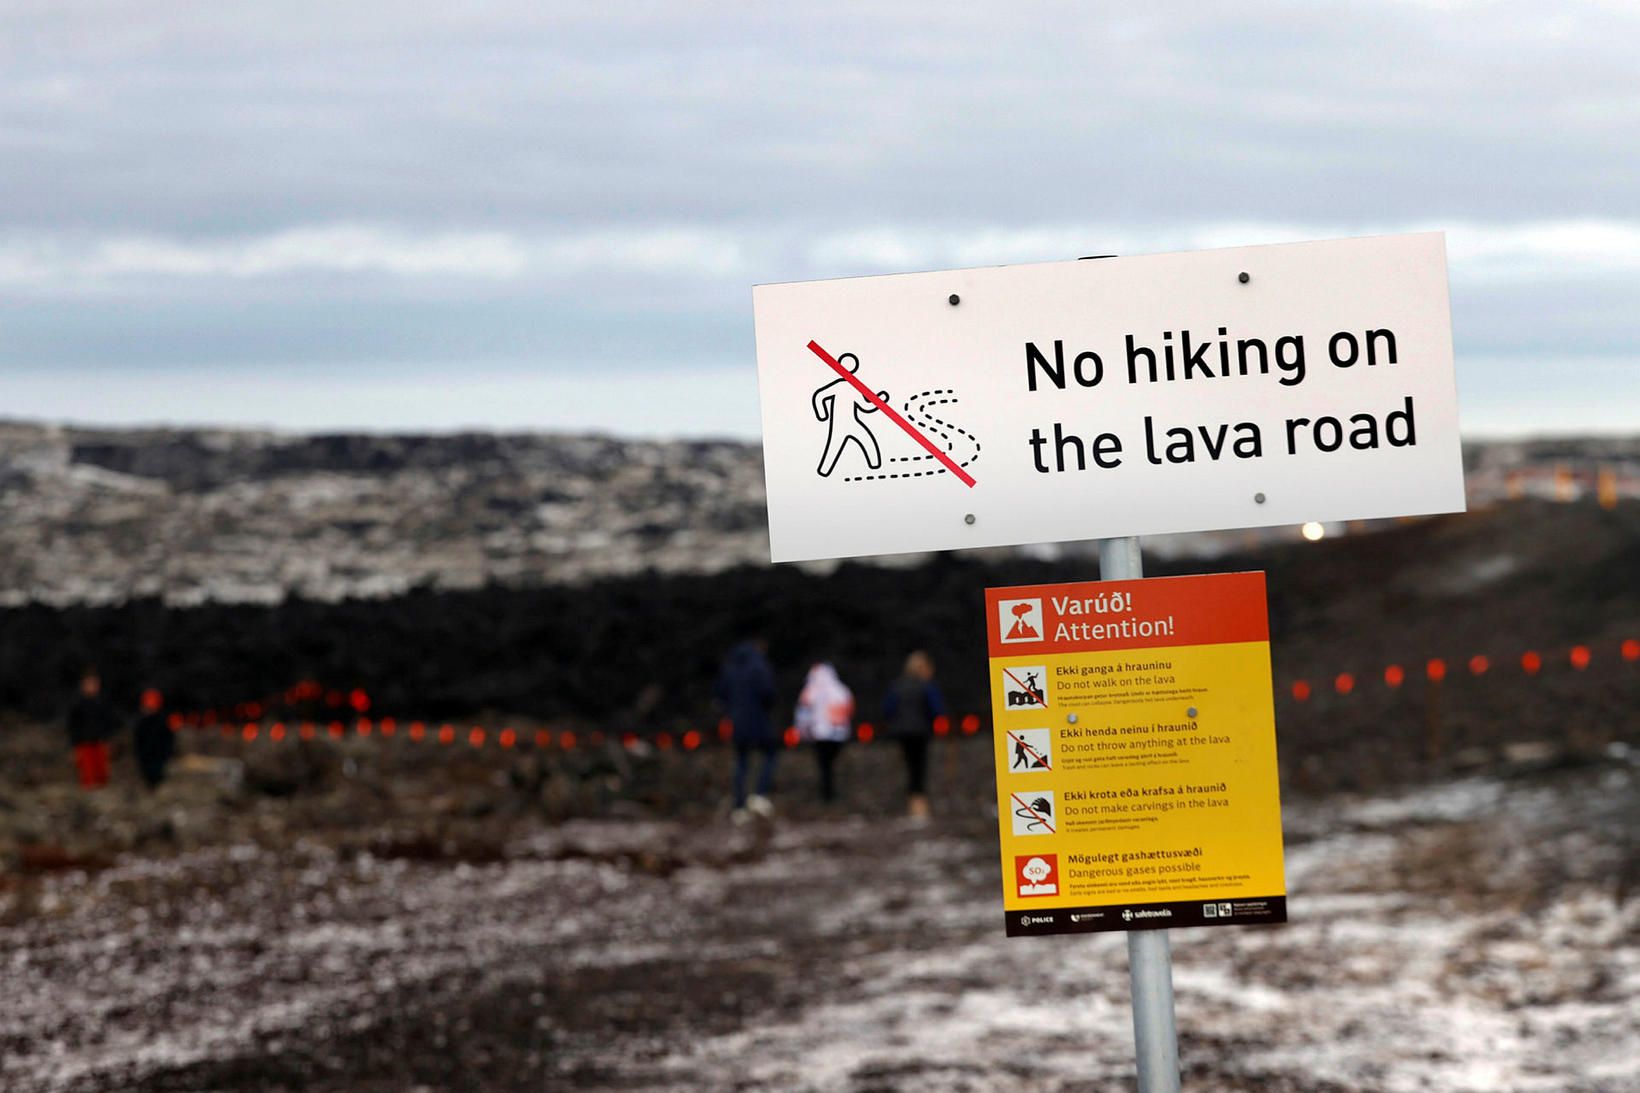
point(639, 653)
point(374, 914)
point(385, 917)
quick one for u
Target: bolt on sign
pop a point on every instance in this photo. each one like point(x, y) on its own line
point(1135, 755)
point(1131, 396)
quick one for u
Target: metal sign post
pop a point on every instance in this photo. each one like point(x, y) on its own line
point(1150, 955)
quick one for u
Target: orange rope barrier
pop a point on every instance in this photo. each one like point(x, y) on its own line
point(248, 726)
point(1532, 663)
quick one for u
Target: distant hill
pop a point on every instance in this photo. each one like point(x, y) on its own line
point(191, 516)
point(194, 516)
point(639, 653)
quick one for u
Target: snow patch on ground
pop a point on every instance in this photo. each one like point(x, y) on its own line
point(1437, 943)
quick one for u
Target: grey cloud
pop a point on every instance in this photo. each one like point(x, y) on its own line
point(553, 186)
point(253, 120)
point(632, 298)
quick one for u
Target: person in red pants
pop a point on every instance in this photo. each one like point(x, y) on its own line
point(91, 724)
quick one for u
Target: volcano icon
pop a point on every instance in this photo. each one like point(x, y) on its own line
point(1020, 620)
point(1023, 630)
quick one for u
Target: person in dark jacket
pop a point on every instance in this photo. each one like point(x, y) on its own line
point(909, 710)
point(152, 739)
point(91, 724)
point(745, 689)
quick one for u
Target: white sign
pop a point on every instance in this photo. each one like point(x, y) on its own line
point(1091, 399)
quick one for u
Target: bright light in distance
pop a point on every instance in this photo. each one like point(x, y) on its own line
point(1314, 531)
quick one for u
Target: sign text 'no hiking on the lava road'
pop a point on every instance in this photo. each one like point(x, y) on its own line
point(1131, 396)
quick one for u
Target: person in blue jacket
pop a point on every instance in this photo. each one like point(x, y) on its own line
point(745, 689)
point(909, 710)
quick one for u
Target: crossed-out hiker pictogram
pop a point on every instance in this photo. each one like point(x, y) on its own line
point(1030, 692)
point(846, 424)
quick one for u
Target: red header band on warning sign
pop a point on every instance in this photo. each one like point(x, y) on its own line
point(1140, 614)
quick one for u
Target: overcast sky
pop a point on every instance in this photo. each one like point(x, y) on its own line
point(521, 214)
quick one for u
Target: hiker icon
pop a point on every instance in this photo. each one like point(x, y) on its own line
point(1031, 751)
point(843, 409)
point(1033, 816)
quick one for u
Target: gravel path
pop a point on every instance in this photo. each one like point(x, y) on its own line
point(1460, 937)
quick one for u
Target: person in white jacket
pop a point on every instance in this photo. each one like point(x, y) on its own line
point(825, 715)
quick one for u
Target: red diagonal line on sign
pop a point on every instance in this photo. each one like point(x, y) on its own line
point(888, 411)
point(1039, 817)
point(1040, 701)
point(1020, 740)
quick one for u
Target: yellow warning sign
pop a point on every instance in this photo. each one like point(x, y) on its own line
point(1136, 755)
